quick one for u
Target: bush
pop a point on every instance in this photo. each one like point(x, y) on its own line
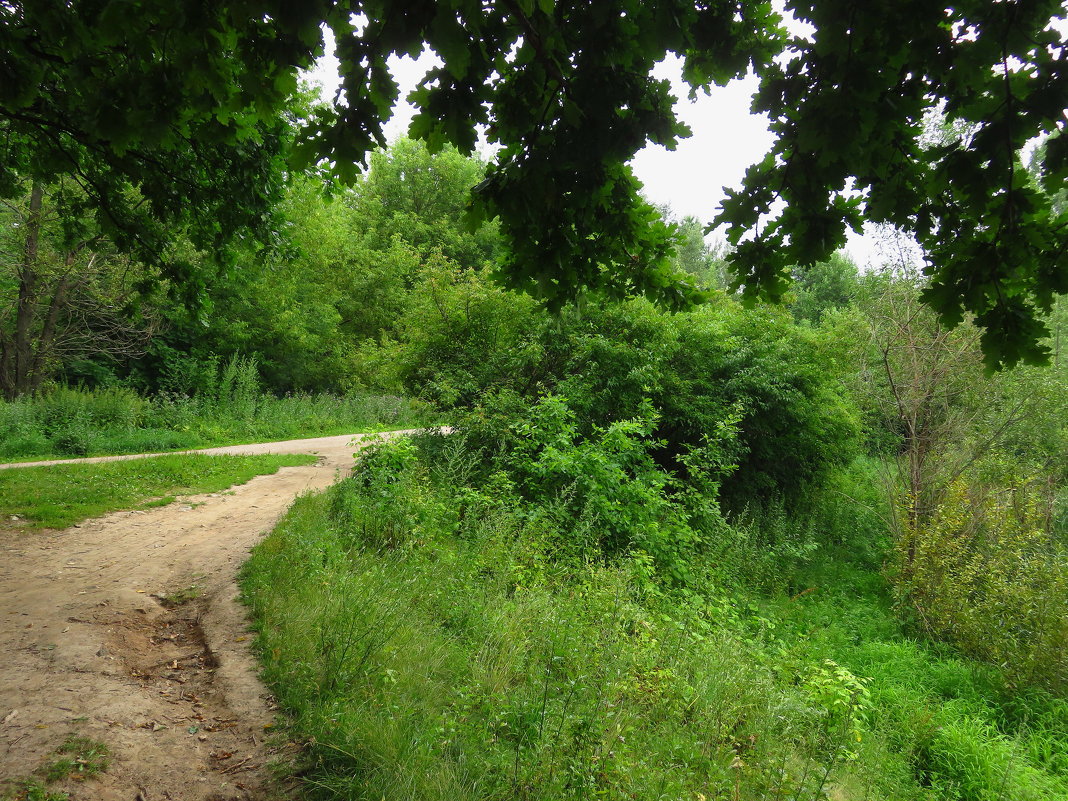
point(697, 370)
point(32, 444)
point(607, 485)
point(386, 500)
point(76, 439)
point(983, 572)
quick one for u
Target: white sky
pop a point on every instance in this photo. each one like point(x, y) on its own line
point(726, 139)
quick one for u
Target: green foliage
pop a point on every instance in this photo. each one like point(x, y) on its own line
point(845, 699)
point(491, 354)
point(859, 131)
point(567, 95)
point(459, 334)
point(697, 370)
point(420, 197)
point(58, 496)
point(67, 294)
point(385, 502)
point(973, 469)
point(694, 256)
point(953, 725)
point(610, 488)
point(832, 284)
point(197, 146)
point(228, 407)
point(350, 270)
point(983, 573)
point(80, 758)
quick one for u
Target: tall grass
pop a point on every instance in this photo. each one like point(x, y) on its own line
point(458, 668)
point(429, 639)
point(231, 409)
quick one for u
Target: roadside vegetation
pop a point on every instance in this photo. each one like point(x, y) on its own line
point(233, 409)
point(736, 553)
point(58, 496)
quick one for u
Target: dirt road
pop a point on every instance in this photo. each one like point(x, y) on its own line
point(127, 630)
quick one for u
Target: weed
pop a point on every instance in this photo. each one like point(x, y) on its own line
point(183, 596)
point(34, 790)
point(80, 758)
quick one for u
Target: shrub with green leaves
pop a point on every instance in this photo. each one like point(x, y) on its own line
point(478, 658)
point(755, 367)
point(699, 368)
point(616, 497)
point(983, 572)
point(386, 501)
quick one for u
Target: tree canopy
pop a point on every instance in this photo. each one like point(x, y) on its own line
point(182, 102)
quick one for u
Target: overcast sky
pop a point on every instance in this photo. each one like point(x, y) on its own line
point(726, 139)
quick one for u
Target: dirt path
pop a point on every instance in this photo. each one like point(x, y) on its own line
point(90, 644)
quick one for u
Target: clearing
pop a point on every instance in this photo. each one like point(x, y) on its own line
point(127, 630)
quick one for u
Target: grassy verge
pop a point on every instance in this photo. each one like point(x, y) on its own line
point(72, 422)
point(443, 646)
point(164, 442)
point(61, 495)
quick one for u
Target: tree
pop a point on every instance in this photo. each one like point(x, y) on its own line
point(158, 131)
point(565, 89)
point(848, 108)
point(693, 255)
point(832, 284)
point(65, 293)
point(420, 198)
point(976, 465)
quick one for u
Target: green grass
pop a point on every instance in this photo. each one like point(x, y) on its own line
point(33, 790)
point(963, 729)
point(78, 758)
point(181, 596)
point(60, 495)
point(75, 423)
point(447, 649)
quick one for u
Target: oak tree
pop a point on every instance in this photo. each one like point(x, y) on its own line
point(179, 100)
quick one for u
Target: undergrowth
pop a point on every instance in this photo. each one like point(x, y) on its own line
point(432, 633)
point(77, 422)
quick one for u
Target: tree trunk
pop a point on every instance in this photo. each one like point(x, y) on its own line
point(18, 354)
point(48, 330)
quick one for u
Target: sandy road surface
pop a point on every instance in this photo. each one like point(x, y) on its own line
point(88, 646)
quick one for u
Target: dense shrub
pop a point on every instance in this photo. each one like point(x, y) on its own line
point(983, 572)
point(459, 335)
point(697, 370)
